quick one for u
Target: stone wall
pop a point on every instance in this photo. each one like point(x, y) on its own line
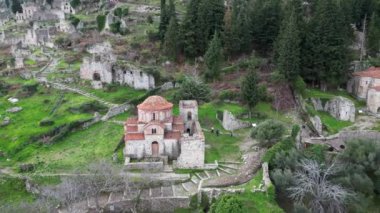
point(341, 108)
point(192, 153)
point(145, 166)
point(113, 111)
point(373, 101)
point(231, 123)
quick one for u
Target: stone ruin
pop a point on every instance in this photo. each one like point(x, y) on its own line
point(339, 107)
point(231, 123)
point(103, 68)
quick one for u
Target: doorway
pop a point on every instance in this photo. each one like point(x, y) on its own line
point(155, 149)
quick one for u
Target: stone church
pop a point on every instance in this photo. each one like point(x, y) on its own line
point(365, 85)
point(157, 134)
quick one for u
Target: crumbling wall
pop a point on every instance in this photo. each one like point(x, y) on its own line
point(231, 123)
point(341, 108)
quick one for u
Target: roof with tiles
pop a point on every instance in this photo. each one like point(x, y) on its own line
point(155, 103)
point(372, 72)
point(134, 136)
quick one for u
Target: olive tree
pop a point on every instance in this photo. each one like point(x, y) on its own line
point(268, 132)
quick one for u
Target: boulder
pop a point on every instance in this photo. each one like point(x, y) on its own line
point(14, 109)
point(231, 123)
point(317, 104)
point(317, 123)
point(5, 122)
point(341, 108)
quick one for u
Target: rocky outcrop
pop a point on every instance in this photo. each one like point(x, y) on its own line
point(317, 123)
point(317, 104)
point(231, 123)
point(341, 108)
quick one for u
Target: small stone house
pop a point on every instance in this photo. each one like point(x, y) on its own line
point(28, 10)
point(365, 85)
point(157, 134)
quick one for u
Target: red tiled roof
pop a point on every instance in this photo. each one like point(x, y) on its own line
point(172, 135)
point(178, 127)
point(132, 128)
point(377, 88)
point(177, 119)
point(372, 72)
point(132, 120)
point(155, 103)
point(134, 136)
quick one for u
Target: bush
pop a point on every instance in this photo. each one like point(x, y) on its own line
point(75, 3)
point(193, 89)
point(89, 107)
point(115, 27)
point(149, 19)
point(299, 85)
point(74, 20)
point(46, 122)
point(227, 204)
point(62, 42)
point(228, 95)
point(295, 130)
point(101, 22)
point(268, 132)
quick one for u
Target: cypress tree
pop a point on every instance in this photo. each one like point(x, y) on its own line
point(288, 49)
point(210, 20)
point(250, 91)
point(190, 29)
point(373, 41)
point(7, 3)
point(164, 20)
point(16, 6)
point(213, 58)
point(171, 43)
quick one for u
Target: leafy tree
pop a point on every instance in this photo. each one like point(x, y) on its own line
point(209, 21)
point(227, 204)
point(191, 30)
point(192, 88)
point(250, 91)
point(171, 44)
point(373, 43)
point(16, 6)
point(213, 58)
point(288, 49)
point(268, 132)
point(75, 3)
point(101, 22)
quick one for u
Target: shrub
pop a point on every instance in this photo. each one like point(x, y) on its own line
point(228, 95)
point(89, 107)
point(299, 85)
point(75, 3)
point(74, 20)
point(62, 42)
point(268, 132)
point(46, 122)
point(149, 19)
point(193, 89)
point(227, 204)
point(295, 130)
point(101, 22)
point(115, 27)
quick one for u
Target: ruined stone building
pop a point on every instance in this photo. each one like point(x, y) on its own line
point(28, 10)
point(157, 134)
point(103, 68)
point(365, 85)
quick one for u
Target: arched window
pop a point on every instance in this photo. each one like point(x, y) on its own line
point(96, 77)
point(154, 116)
point(154, 131)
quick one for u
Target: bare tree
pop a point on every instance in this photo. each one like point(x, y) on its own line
point(313, 187)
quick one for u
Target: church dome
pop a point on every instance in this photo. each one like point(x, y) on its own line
point(154, 103)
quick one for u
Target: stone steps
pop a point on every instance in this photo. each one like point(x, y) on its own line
point(225, 171)
point(230, 166)
point(190, 187)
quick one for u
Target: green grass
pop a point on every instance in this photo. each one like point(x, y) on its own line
point(119, 94)
point(25, 124)
point(12, 190)
point(222, 147)
point(332, 124)
point(77, 149)
point(260, 202)
point(266, 108)
point(62, 64)
point(30, 62)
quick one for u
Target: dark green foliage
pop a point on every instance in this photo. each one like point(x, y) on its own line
point(50, 2)
point(299, 85)
point(121, 12)
point(205, 202)
point(209, 22)
point(325, 50)
point(266, 19)
point(75, 3)
point(250, 92)
point(227, 204)
point(101, 22)
point(16, 6)
point(149, 19)
point(213, 59)
point(193, 89)
point(7, 3)
point(74, 20)
point(115, 27)
point(190, 29)
point(268, 132)
point(171, 44)
point(89, 107)
point(295, 130)
point(167, 12)
point(46, 122)
point(62, 42)
point(288, 48)
point(373, 43)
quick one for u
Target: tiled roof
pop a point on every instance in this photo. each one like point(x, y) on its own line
point(132, 128)
point(172, 135)
point(132, 120)
point(155, 103)
point(372, 72)
point(134, 136)
point(377, 88)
